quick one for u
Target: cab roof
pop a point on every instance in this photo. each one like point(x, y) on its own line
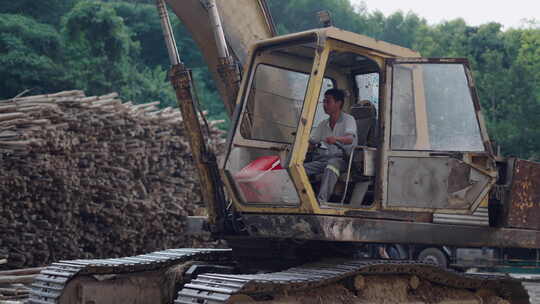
point(381, 48)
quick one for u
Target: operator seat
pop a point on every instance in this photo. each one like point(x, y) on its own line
point(365, 114)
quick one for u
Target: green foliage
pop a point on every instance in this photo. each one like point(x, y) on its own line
point(104, 55)
point(300, 15)
point(144, 25)
point(30, 56)
point(208, 95)
point(529, 57)
point(401, 29)
point(143, 22)
point(49, 11)
point(99, 49)
point(154, 86)
point(527, 99)
point(104, 46)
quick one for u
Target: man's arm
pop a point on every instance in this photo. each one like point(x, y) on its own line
point(347, 139)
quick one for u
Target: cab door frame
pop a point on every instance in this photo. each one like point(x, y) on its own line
point(444, 165)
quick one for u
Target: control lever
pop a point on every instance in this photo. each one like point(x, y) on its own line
point(342, 148)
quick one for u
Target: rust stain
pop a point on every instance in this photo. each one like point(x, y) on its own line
point(523, 209)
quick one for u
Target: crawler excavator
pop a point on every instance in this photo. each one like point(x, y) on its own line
point(423, 176)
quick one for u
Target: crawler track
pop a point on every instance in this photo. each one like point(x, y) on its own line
point(49, 285)
point(52, 282)
point(219, 288)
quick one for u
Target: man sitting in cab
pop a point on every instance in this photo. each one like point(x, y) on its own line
point(335, 137)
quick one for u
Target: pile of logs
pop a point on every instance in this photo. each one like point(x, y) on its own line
point(15, 284)
point(93, 177)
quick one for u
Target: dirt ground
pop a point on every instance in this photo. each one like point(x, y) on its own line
point(384, 290)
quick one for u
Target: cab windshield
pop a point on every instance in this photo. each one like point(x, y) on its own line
point(258, 158)
point(433, 109)
point(274, 104)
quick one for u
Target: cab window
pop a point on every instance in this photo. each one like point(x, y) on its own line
point(432, 109)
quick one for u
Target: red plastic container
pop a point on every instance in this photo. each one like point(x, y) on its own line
point(254, 179)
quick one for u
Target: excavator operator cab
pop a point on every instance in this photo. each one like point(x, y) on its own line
point(411, 113)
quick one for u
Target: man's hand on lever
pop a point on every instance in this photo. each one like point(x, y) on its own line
point(331, 140)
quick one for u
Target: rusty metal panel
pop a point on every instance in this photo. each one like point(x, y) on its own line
point(433, 182)
point(348, 229)
point(419, 217)
point(523, 206)
point(417, 182)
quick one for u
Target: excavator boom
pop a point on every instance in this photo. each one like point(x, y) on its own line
point(243, 22)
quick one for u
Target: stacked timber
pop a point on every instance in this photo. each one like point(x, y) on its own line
point(15, 284)
point(92, 177)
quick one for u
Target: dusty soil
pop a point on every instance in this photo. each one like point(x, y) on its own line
point(388, 289)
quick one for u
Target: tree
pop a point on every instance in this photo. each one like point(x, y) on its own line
point(401, 29)
point(100, 50)
point(529, 57)
point(300, 15)
point(49, 12)
point(447, 39)
point(106, 43)
point(30, 57)
point(144, 24)
point(528, 84)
